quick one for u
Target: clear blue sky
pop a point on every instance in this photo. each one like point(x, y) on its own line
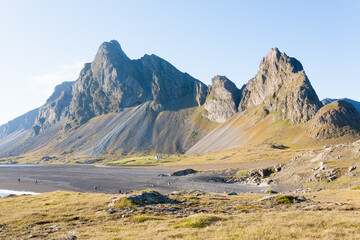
point(43, 43)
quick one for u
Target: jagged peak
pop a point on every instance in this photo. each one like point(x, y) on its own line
point(219, 78)
point(111, 49)
point(281, 85)
point(279, 59)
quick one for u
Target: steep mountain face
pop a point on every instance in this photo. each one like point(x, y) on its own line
point(118, 105)
point(55, 108)
point(113, 82)
point(222, 101)
point(27, 121)
point(19, 124)
point(281, 85)
point(353, 102)
point(335, 120)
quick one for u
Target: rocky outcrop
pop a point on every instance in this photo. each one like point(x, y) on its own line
point(222, 101)
point(336, 119)
point(55, 108)
point(113, 82)
point(142, 198)
point(183, 172)
point(282, 86)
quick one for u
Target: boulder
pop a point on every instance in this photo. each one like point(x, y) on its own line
point(145, 198)
point(183, 172)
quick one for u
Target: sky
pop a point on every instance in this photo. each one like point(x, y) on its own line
point(44, 43)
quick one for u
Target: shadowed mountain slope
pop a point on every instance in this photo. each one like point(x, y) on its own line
point(143, 105)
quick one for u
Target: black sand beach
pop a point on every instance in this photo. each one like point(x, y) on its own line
point(110, 180)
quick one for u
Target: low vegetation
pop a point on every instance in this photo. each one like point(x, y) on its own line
point(324, 215)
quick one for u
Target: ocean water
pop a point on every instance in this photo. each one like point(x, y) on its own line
point(21, 165)
point(5, 192)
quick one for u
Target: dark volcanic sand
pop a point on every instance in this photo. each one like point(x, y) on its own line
point(83, 178)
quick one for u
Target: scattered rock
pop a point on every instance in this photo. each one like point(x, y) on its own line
point(72, 237)
point(284, 199)
point(183, 172)
point(111, 211)
point(48, 158)
point(352, 168)
point(10, 195)
point(145, 198)
point(73, 232)
point(270, 191)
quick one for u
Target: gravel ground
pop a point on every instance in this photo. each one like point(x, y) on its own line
point(112, 179)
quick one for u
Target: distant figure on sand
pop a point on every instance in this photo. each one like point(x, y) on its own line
point(18, 179)
point(119, 191)
point(95, 187)
point(36, 181)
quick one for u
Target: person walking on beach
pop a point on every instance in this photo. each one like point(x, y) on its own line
point(36, 181)
point(18, 179)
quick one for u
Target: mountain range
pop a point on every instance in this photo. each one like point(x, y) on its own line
point(122, 106)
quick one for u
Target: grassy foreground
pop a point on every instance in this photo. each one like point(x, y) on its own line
point(324, 215)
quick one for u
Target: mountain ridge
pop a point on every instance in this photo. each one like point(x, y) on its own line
point(122, 106)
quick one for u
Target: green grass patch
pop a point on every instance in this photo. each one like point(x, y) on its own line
point(281, 199)
point(241, 173)
point(51, 203)
point(43, 222)
point(125, 202)
point(143, 218)
point(192, 198)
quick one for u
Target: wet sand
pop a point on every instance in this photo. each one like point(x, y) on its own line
point(83, 178)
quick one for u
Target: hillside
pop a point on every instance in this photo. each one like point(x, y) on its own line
point(122, 107)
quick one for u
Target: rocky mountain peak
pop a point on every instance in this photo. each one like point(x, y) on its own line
point(113, 82)
point(281, 85)
point(222, 101)
point(335, 120)
point(280, 61)
point(111, 49)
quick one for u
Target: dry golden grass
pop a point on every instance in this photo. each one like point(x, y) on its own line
point(60, 214)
